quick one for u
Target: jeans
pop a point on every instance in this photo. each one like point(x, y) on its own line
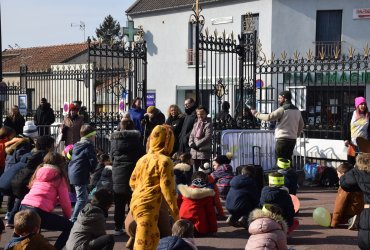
point(53, 222)
point(120, 201)
point(15, 209)
point(82, 198)
point(104, 242)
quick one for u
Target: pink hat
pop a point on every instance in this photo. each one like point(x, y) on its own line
point(359, 100)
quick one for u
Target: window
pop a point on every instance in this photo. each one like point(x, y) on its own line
point(328, 32)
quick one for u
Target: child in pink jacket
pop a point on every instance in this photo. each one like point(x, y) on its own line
point(49, 186)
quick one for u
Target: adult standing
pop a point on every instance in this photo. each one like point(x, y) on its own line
point(175, 119)
point(152, 118)
point(44, 117)
point(359, 127)
point(137, 114)
point(124, 160)
point(200, 140)
point(15, 120)
point(71, 126)
point(289, 125)
point(82, 111)
point(187, 126)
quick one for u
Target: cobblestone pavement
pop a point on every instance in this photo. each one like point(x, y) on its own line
point(308, 236)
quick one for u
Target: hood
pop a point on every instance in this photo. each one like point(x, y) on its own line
point(81, 145)
point(161, 140)
point(90, 215)
point(264, 226)
point(363, 162)
point(195, 193)
point(242, 181)
point(13, 144)
point(47, 173)
point(182, 167)
point(125, 134)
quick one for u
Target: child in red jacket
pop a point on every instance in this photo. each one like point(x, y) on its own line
point(197, 204)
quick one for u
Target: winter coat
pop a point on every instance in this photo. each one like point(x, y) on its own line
point(90, 224)
point(268, 231)
point(44, 116)
point(346, 206)
point(83, 162)
point(176, 124)
point(203, 144)
point(280, 197)
point(47, 190)
point(15, 149)
point(2, 153)
point(82, 112)
point(105, 181)
point(16, 123)
point(124, 158)
point(175, 243)
point(183, 173)
point(71, 129)
point(186, 129)
point(243, 196)
point(223, 176)
point(137, 115)
point(95, 176)
point(355, 180)
point(290, 179)
point(19, 183)
point(197, 206)
point(29, 242)
point(149, 124)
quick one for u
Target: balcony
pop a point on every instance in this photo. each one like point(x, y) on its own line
point(191, 57)
point(328, 49)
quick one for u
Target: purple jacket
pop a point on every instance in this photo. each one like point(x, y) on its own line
point(223, 176)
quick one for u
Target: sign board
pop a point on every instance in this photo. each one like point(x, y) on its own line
point(22, 104)
point(150, 99)
point(65, 108)
point(362, 13)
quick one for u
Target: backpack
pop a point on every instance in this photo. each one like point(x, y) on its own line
point(329, 177)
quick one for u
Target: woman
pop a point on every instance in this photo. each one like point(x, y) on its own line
point(49, 186)
point(153, 180)
point(175, 120)
point(15, 120)
point(124, 160)
point(200, 140)
point(359, 127)
point(137, 114)
point(71, 126)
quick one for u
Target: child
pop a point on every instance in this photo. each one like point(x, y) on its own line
point(267, 228)
point(276, 193)
point(197, 204)
point(183, 170)
point(88, 232)
point(82, 163)
point(95, 176)
point(182, 237)
point(223, 174)
point(242, 198)
point(106, 180)
point(290, 175)
point(27, 227)
point(347, 204)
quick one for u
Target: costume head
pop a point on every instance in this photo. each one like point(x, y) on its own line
point(161, 140)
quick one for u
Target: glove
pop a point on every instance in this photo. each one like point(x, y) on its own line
point(193, 146)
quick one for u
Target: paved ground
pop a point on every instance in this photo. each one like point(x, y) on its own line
point(308, 236)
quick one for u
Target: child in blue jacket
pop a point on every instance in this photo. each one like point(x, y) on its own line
point(83, 162)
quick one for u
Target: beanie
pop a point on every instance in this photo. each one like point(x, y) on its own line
point(359, 100)
point(30, 129)
point(72, 106)
point(205, 168)
point(222, 159)
point(286, 94)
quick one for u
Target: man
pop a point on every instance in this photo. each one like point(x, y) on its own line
point(187, 126)
point(289, 125)
point(44, 116)
point(81, 111)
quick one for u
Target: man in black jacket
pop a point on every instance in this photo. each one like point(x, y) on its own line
point(44, 116)
point(190, 107)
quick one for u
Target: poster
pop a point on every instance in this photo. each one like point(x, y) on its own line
point(150, 99)
point(22, 104)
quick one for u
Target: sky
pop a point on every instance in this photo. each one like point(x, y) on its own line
point(32, 23)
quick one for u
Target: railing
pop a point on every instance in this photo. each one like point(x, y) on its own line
point(328, 49)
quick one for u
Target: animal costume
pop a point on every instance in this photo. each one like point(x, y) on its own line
point(152, 179)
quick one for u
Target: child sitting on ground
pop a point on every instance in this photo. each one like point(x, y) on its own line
point(276, 193)
point(267, 228)
point(27, 227)
point(182, 237)
point(290, 175)
point(242, 198)
point(183, 171)
point(95, 176)
point(197, 204)
point(88, 232)
point(222, 174)
point(106, 180)
point(347, 204)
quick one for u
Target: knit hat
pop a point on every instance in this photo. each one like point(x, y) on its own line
point(359, 100)
point(199, 182)
point(150, 109)
point(286, 94)
point(205, 168)
point(30, 129)
point(72, 106)
point(222, 159)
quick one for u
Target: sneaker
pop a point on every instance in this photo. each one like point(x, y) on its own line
point(7, 215)
point(231, 221)
point(118, 232)
point(243, 221)
point(353, 223)
point(3, 211)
